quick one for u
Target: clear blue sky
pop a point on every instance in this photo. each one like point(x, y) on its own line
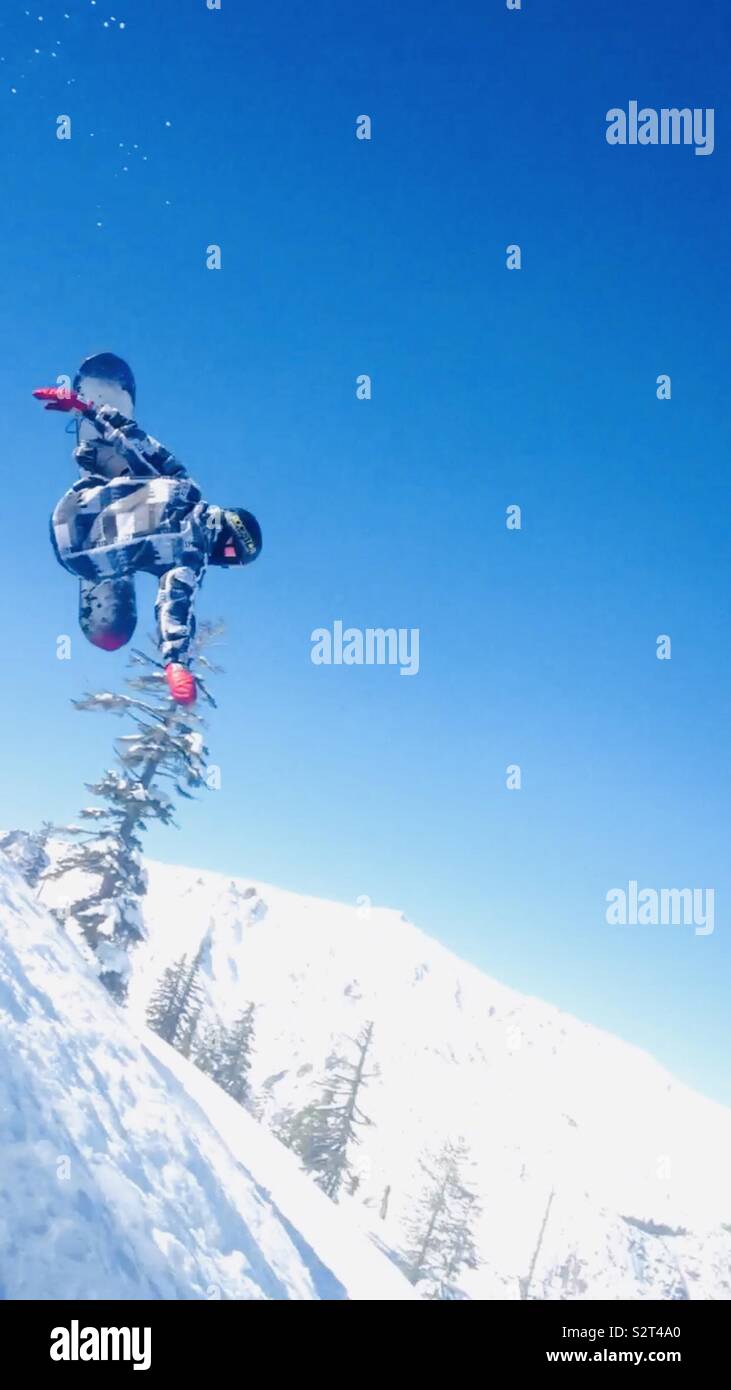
point(489, 388)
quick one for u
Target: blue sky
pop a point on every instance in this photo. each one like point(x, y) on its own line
point(490, 388)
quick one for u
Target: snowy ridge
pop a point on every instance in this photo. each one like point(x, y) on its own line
point(125, 1172)
point(572, 1132)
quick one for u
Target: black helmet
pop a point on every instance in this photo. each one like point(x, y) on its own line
point(240, 540)
point(108, 367)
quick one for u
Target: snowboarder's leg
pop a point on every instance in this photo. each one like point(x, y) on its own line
point(175, 612)
point(108, 611)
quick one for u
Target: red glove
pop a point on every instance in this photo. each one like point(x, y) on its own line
point(59, 398)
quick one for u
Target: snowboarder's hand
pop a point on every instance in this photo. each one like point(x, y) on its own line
point(60, 398)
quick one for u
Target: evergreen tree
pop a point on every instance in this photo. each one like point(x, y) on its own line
point(225, 1055)
point(208, 1049)
point(441, 1241)
point(175, 1005)
point(324, 1133)
point(162, 1007)
point(166, 749)
point(236, 1059)
point(188, 1036)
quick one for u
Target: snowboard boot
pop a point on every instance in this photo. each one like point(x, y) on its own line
point(181, 683)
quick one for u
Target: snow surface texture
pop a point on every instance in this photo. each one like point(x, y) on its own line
point(125, 1173)
point(638, 1164)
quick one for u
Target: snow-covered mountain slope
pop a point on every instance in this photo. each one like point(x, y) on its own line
point(598, 1174)
point(125, 1173)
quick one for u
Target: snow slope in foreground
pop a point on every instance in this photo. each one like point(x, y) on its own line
point(124, 1173)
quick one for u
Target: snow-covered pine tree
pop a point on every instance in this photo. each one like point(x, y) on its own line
point(162, 1007)
point(175, 1005)
point(27, 851)
point(324, 1133)
point(225, 1054)
point(236, 1059)
point(441, 1240)
point(166, 748)
point(208, 1049)
point(188, 1035)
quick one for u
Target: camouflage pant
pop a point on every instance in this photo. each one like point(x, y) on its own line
point(108, 611)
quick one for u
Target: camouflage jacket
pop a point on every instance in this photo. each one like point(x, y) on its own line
point(133, 508)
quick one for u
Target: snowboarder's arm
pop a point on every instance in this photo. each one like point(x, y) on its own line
point(146, 456)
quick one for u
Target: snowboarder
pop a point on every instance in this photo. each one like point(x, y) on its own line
point(135, 508)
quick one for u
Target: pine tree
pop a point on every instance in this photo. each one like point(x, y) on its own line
point(175, 1005)
point(188, 1036)
point(162, 1008)
point(166, 748)
point(225, 1055)
point(208, 1049)
point(441, 1241)
point(237, 1056)
point(323, 1133)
